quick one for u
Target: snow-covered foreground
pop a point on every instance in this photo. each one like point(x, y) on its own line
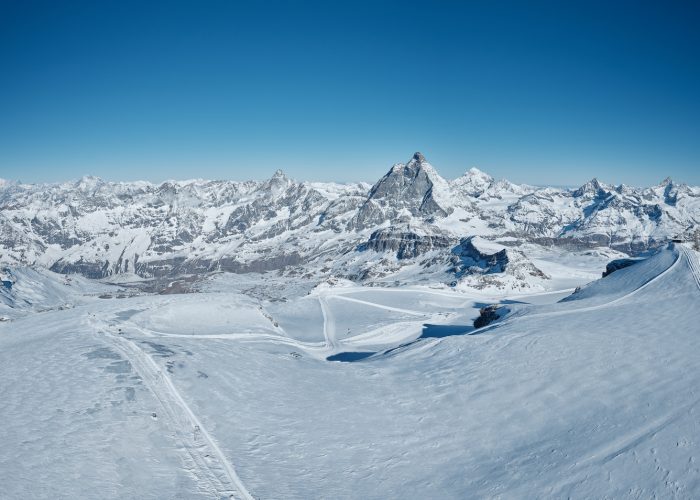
point(349, 392)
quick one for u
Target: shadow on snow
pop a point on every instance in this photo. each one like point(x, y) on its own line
point(429, 332)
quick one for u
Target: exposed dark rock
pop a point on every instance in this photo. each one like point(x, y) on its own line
point(618, 264)
point(489, 314)
point(467, 259)
point(406, 243)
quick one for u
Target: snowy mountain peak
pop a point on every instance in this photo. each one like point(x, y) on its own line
point(473, 183)
point(415, 167)
point(279, 174)
point(413, 188)
point(278, 182)
point(418, 164)
point(666, 182)
point(592, 187)
point(418, 157)
point(475, 172)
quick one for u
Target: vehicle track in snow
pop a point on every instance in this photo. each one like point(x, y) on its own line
point(692, 259)
point(207, 462)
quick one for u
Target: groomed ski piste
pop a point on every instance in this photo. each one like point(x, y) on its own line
point(357, 392)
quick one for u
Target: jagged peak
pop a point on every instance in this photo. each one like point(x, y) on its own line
point(416, 164)
point(666, 182)
point(277, 183)
point(418, 156)
point(592, 186)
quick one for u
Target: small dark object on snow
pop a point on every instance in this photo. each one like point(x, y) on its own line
point(487, 315)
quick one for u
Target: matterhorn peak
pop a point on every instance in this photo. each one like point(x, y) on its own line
point(418, 156)
point(418, 164)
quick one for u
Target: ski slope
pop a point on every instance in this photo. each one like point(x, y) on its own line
point(591, 397)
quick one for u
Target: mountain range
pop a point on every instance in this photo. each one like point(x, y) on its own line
point(412, 218)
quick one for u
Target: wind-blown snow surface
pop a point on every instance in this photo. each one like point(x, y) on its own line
point(596, 396)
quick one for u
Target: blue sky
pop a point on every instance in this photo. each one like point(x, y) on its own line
point(538, 92)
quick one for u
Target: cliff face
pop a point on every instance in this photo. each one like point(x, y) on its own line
point(404, 242)
point(468, 259)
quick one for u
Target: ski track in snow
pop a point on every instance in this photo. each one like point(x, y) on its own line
point(692, 259)
point(206, 456)
point(379, 306)
point(332, 343)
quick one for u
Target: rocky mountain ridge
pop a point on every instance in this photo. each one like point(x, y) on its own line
point(411, 216)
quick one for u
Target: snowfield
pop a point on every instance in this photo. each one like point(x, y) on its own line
point(263, 386)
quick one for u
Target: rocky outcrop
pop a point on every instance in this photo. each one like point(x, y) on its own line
point(468, 259)
point(489, 314)
point(618, 264)
point(404, 242)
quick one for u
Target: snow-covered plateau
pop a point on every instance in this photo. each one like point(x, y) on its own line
point(278, 339)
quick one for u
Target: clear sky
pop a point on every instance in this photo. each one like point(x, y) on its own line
point(537, 92)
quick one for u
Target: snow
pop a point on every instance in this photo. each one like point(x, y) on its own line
point(594, 396)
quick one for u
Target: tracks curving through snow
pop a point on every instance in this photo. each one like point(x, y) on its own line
point(207, 461)
point(692, 259)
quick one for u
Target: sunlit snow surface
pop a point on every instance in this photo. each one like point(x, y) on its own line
point(221, 393)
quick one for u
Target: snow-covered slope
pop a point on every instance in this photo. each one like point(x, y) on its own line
point(26, 290)
point(212, 395)
point(99, 228)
